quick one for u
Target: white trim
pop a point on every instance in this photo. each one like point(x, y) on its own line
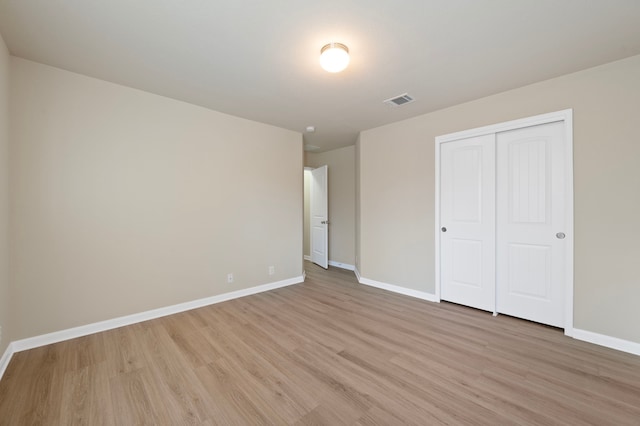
point(564, 115)
point(25, 344)
point(336, 264)
point(397, 289)
point(607, 341)
point(568, 177)
point(84, 330)
point(437, 234)
point(342, 265)
point(6, 358)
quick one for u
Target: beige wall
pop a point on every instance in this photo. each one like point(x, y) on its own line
point(342, 194)
point(5, 302)
point(124, 201)
point(397, 189)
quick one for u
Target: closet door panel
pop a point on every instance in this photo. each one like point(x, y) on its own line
point(467, 213)
point(530, 212)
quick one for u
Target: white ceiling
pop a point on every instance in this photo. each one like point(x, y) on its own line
point(258, 59)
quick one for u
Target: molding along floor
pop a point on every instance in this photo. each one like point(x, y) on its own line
point(328, 351)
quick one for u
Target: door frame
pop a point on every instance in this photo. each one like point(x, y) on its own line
point(567, 117)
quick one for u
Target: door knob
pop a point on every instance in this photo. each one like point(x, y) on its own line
point(444, 229)
point(560, 235)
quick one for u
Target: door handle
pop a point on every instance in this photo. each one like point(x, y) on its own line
point(444, 229)
point(560, 235)
point(325, 222)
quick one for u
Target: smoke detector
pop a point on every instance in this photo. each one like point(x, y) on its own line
point(397, 101)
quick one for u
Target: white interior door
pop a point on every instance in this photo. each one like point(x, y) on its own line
point(531, 223)
point(319, 216)
point(467, 221)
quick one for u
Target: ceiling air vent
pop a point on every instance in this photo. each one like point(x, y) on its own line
point(399, 100)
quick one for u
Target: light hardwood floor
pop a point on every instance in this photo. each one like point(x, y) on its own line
point(329, 351)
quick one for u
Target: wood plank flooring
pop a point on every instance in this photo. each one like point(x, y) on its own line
point(329, 351)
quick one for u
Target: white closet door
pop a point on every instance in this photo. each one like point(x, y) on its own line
point(531, 223)
point(467, 219)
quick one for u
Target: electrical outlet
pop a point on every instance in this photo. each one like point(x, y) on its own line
point(229, 278)
point(272, 270)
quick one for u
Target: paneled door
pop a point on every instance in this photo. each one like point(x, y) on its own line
point(467, 232)
point(319, 207)
point(531, 223)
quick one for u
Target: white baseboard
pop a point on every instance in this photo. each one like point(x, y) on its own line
point(6, 357)
point(72, 333)
point(607, 341)
point(59, 336)
point(397, 289)
point(334, 263)
point(587, 336)
point(342, 265)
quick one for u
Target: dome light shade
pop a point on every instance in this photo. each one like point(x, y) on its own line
point(334, 57)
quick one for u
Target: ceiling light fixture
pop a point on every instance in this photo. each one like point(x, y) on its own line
point(334, 57)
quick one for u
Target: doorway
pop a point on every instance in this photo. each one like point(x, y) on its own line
point(316, 221)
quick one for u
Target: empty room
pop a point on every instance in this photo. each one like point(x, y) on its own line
point(339, 213)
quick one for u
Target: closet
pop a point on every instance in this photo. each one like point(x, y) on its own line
point(504, 218)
